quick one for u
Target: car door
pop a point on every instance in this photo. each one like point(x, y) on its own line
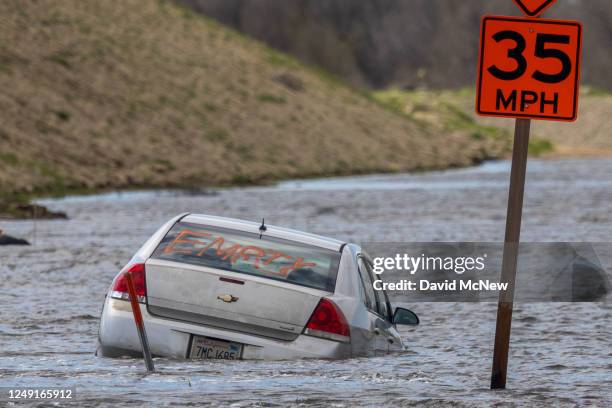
point(394, 340)
point(378, 310)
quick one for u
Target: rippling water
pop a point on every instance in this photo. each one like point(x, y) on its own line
point(561, 354)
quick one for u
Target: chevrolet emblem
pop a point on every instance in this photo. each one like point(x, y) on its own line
point(227, 298)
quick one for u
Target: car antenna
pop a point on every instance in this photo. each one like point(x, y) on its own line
point(262, 227)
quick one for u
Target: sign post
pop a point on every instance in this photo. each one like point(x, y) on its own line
point(142, 334)
point(529, 68)
point(510, 257)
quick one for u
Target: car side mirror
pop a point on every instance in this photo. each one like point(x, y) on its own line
point(405, 316)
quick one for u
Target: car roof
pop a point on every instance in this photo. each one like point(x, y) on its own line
point(271, 230)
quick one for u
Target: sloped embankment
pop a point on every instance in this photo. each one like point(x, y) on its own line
point(132, 94)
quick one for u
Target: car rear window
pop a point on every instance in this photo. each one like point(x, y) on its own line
point(247, 253)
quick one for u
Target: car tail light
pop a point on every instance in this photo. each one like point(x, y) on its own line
point(328, 322)
point(120, 289)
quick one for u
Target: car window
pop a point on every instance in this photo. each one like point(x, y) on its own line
point(381, 296)
point(366, 279)
point(381, 300)
point(248, 253)
point(384, 305)
point(381, 307)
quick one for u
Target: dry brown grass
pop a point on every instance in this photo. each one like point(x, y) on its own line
point(589, 136)
point(125, 94)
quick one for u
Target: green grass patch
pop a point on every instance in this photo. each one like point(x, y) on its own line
point(439, 109)
point(217, 135)
point(481, 132)
point(56, 19)
point(210, 107)
point(393, 102)
point(9, 158)
point(279, 59)
point(167, 164)
point(242, 179)
point(63, 58)
point(538, 147)
point(63, 115)
point(58, 183)
point(458, 118)
point(477, 135)
point(4, 68)
point(269, 98)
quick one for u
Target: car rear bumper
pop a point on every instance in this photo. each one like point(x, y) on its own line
point(171, 338)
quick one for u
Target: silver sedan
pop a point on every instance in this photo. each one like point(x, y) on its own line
point(219, 288)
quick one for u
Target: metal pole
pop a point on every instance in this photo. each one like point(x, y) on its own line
point(510, 257)
point(146, 351)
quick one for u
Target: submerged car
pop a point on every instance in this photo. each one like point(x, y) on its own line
point(220, 288)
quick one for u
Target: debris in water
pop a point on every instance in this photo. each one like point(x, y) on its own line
point(8, 240)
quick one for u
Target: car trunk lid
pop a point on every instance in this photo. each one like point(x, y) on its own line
point(239, 279)
point(228, 300)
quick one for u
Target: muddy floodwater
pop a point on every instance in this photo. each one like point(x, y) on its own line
point(51, 294)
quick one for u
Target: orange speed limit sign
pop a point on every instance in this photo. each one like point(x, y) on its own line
point(529, 68)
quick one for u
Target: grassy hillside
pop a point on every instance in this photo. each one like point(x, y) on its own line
point(588, 136)
point(130, 94)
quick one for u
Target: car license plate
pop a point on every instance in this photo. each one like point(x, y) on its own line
point(204, 348)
